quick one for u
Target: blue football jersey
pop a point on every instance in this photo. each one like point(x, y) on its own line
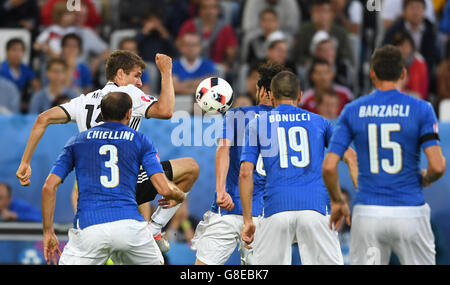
point(388, 128)
point(234, 129)
point(107, 160)
point(292, 144)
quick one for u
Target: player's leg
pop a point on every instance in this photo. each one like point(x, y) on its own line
point(133, 244)
point(369, 239)
point(86, 247)
point(274, 239)
point(414, 239)
point(317, 243)
point(215, 238)
point(184, 172)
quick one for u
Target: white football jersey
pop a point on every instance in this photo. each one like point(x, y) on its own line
point(85, 109)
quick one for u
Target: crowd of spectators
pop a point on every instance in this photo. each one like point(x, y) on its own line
point(327, 43)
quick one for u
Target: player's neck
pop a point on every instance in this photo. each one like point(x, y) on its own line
point(284, 102)
point(387, 85)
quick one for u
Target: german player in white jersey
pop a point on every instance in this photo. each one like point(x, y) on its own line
point(123, 72)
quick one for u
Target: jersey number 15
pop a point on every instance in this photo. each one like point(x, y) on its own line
point(386, 143)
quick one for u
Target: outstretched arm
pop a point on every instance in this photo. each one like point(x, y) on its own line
point(55, 115)
point(164, 108)
point(222, 164)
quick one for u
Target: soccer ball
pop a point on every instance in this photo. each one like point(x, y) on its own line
point(214, 95)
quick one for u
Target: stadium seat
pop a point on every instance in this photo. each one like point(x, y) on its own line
point(444, 110)
point(119, 35)
point(8, 34)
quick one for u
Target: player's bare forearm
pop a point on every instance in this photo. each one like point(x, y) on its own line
point(53, 116)
point(331, 177)
point(222, 164)
point(350, 158)
point(48, 201)
point(164, 108)
point(436, 165)
point(246, 190)
point(161, 183)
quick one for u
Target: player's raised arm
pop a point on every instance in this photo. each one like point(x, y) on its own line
point(55, 115)
point(164, 108)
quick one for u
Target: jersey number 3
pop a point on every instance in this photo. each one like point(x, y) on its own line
point(386, 143)
point(112, 165)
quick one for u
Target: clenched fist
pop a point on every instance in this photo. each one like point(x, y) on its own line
point(164, 63)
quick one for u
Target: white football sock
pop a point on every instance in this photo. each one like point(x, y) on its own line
point(161, 217)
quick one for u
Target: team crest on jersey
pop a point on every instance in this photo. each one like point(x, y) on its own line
point(147, 98)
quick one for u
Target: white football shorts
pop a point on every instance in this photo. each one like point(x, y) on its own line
point(317, 243)
point(379, 230)
point(217, 236)
point(126, 242)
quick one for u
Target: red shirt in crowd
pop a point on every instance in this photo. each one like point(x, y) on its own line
point(226, 39)
point(308, 101)
point(417, 79)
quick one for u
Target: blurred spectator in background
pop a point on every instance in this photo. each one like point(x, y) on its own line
point(218, 40)
point(242, 101)
point(392, 10)
point(88, 14)
point(57, 75)
point(278, 50)
point(348, 14)
point(421, 30)
point(288, 12)
point(13, 209)
point(251, 86)
point(177, 12)
point(79, 75)
point(17, 72)
point(133, 11)
point(49, 40)
point(443, 77)
point(328, 104)
point(9, 97)
point(325, 47)
point(322, 76)
point(130, 44)
point(191, 68)
point(252, 47)
point(19, 14)
point(416, 83)
point(154, 38)
point(322, 18)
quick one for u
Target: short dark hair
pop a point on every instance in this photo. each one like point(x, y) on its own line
point(115, 106)
point(268, 10)
point(387, 63)
point(267, 71)
point(122, 59)
point(318, 61)
point(407, 2)
point(285, 84)
point(15, 41)
point(402, 36)
point(318, 97)
point(321, 2)
point(72, 36)
point(54, 61)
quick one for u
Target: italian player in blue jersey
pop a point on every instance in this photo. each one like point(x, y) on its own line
point(389, 129)
point(218, 234)
point(291, 142)
point(107, 161)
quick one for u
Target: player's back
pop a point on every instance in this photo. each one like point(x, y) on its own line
point(388, 128)
point(293, 159)
point(107, 159)
point(234, 129)
point(85, 109)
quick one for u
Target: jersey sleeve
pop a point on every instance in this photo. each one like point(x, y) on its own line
point(429, 132)
point(251, 148)
point(65, 162)
point(150, 159)
point(342, 135)
point(72, 108)
point(141, 101)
